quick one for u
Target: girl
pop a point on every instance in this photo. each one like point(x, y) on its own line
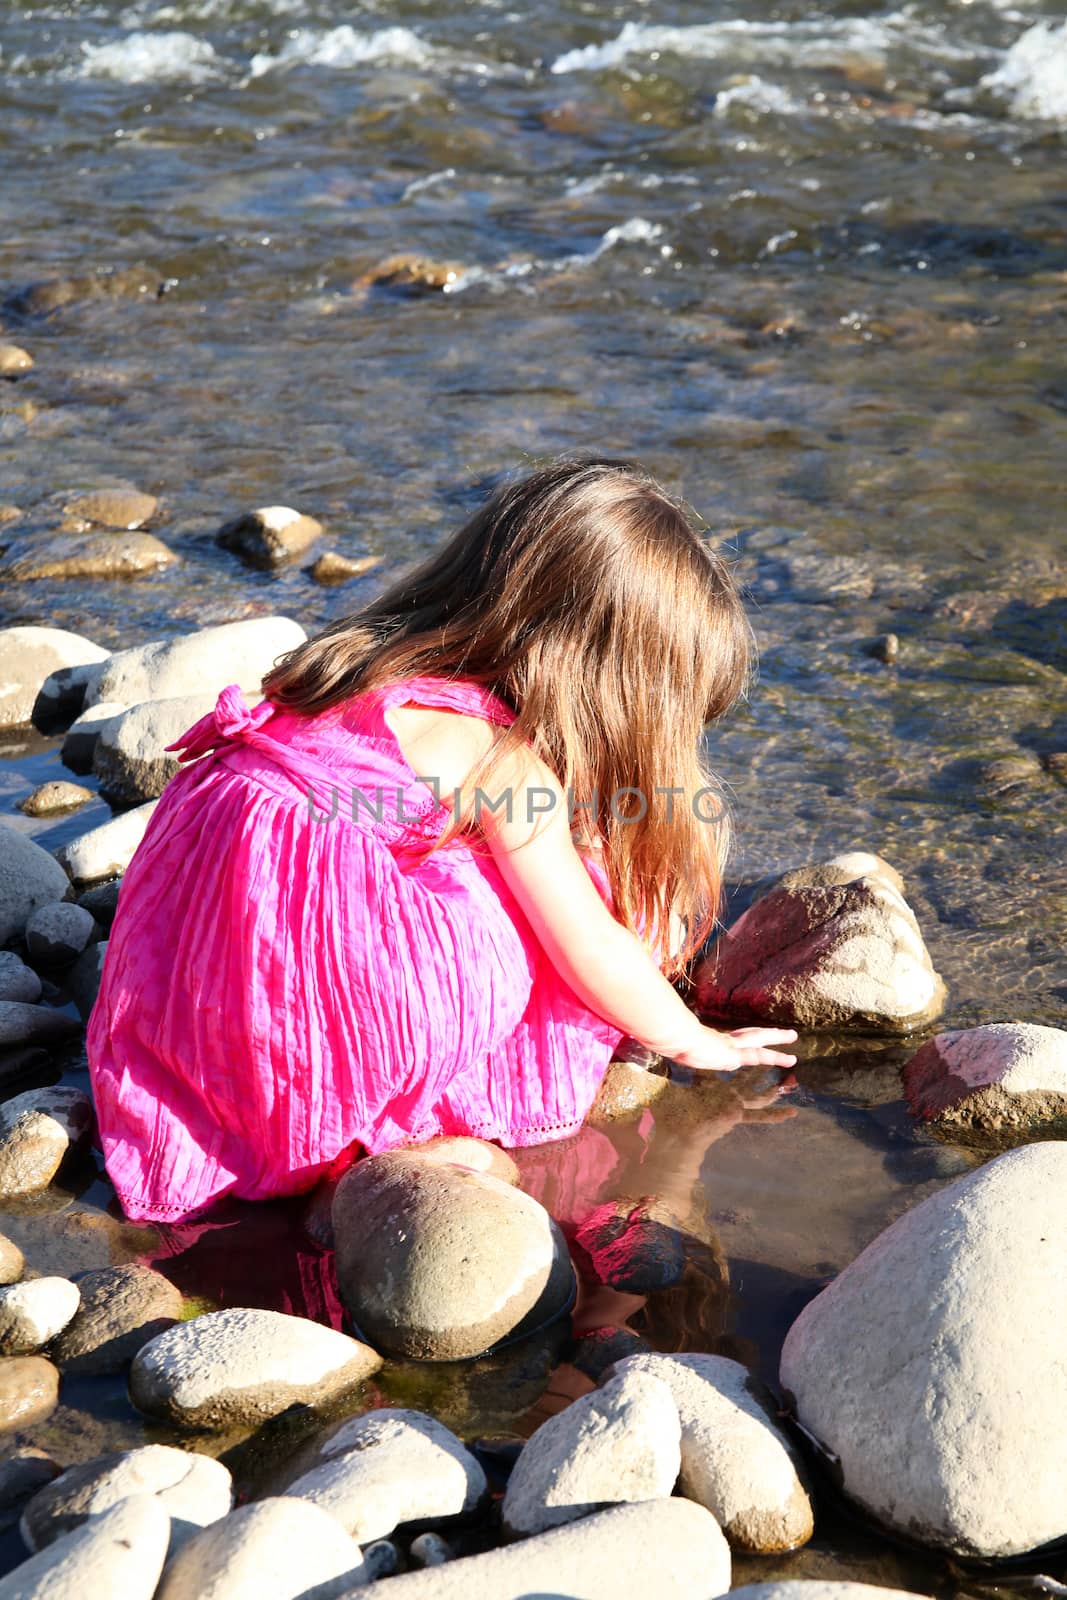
point(428, 884)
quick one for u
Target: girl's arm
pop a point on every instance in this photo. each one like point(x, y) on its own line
point(604, 963)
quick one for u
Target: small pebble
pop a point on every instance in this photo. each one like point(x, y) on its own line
point(381, 1559)
point(430, 1550)
point(56, 795)
point(1056, 763)
point(33, 1312)
point(886, 649)
point(14, 361)
point(270, 536)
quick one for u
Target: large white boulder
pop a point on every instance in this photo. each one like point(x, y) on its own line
point(1002, 1079)
point(735, 1459)
point(835, 946)
point(277, 1549)
point(106, 851)
point(121, 1552)
point(238, 1367)
point(130, 757)
point(194, 1490)
point(931, 1369)
point(200, 663)
point(666, 1549)
point(618, 1444)
point(27, 656)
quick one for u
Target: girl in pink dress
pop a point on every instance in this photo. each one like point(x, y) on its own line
point(454, 855)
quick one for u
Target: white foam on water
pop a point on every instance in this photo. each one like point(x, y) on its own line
point(575, 188)
point(813, 42)
point(345, 46)
point(1032, 78)
point(635, 230)
point(150, 58)
point(756, 94)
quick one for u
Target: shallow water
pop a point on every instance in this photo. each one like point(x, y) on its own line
point(809, 263)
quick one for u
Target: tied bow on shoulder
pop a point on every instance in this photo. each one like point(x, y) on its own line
point(231, 721)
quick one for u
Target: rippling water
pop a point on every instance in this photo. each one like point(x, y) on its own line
point(810, 264)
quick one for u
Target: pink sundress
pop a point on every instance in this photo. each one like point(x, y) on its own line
point(290, 972)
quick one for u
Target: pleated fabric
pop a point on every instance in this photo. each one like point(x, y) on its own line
point(293, 969)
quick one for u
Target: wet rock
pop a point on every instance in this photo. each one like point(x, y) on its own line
point(57, 934)
point(818, 1589)
point(130, 757)
point(9, 514)
point(411, 274)
point(17, 980)
point(269, 537)
point(14, 361)
point(640, 1247)
point(21, 1065)
point(12, 1264)
point(29, 877)
point(125, 509)
point(618, 1444)
point(194, 1490)
point(1056, 763)
point(440, 1263)
point(274, 1550)
point(38, 1131)
point(121, 1309)
point(26, 1024)
point(388, 1468)
point(1007, 1077)
point(120, 1552)
point(332, 567)
point(237, 1367)
point(197, 663)
point(27, 656)
point(831, 947)
point(735, 1460)
point(33, 1312)
point(84, 977)
point(79, 745)
point(29, 1392)
point(106, 851)
point(49, 799)
point(625, 1091)
point(671, 1549)
point(91, 555)
point(52, 294)
point(930, 1366)
point(886, 649)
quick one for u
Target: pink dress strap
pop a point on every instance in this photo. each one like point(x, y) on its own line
point(449, 694)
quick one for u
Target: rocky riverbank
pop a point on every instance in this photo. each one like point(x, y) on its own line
point(293, 1464)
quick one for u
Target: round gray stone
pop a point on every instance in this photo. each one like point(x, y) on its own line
point(1007, 1078)
point(17, 980)
point(121, 1309)
point(29, 877)
point(57, 934)
point(194, 1490)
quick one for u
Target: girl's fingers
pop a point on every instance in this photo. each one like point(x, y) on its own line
point(765, 1058)
point(763, 1035)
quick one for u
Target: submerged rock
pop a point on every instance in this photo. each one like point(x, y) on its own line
point(130, 757)
point(388, 1468)
point(27, 656)
point(22, 1473)
point(33, 1312)
point(121, 1309)
point(269, 537)
point(29, 877)
point(38, 1131)
point(125, 509)
point(234, 1368)
point(194, 1490)
point(106, 851)
point(626, 1089)
point(274, 1550)
point(669, 1549)
point(640, 1247)
point(412, 274)
point(57, 934)
point(618, 1444)
point(1004, 1078)
point(834, 946)
point(735, 1459)
point(440, 1263)
point(29, 1392)
point(91, 555)
point(120, 1552)
point(930, 1369)
point(332, 567)
point(48, 799)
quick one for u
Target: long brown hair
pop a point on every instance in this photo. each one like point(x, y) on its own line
point(581, 595)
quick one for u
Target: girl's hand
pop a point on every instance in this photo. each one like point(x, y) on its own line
point(711, 1051)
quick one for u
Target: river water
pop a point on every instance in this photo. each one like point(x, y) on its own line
point(807, 262)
